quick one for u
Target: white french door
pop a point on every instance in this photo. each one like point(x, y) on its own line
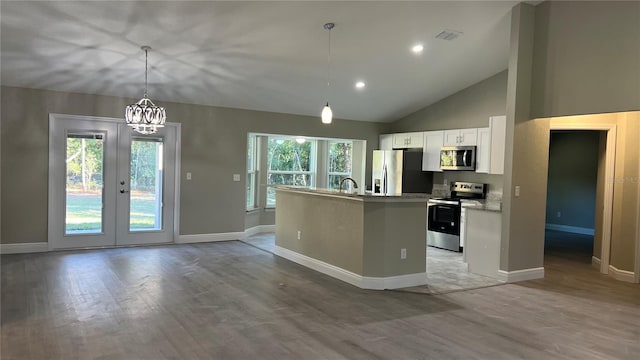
point(108, 185)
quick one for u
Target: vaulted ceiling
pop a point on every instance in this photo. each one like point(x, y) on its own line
point(263, 55)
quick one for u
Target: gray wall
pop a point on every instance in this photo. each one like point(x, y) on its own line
point(213, 148)
point(586, 57)
point(468, 108)
point(573, 176)
point(561, 65)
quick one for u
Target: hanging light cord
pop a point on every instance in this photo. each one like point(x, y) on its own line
point(146, 70)
point(329, 61)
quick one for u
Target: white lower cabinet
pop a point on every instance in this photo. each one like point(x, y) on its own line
point(433, 141)
point(463, 232)
point(482, 242)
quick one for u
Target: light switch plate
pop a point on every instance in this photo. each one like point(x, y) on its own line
point(236, 177)
point(517, 190)
point(188, 176)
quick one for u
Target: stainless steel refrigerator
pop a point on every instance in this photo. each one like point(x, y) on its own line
point(399, 171)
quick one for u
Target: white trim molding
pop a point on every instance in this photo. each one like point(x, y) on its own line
point(570, 229)
point(24, 248)
point(200, 238)
point(622, 275)
point(363, 282)
point(595, 262)
point(260, 229)
point(521, 275)
point(609, 173)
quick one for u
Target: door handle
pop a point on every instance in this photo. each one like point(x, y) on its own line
point(122, 191)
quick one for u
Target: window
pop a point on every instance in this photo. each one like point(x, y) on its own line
point(340, 159)
point(252, 151)
point(290, 161)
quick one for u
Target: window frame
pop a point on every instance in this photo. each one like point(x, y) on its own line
point(336, 173)
point(252, 173)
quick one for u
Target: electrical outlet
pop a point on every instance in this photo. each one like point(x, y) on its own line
point(236, 177)
point(299, 234)
point(517, 190)
point(559, 214)
point(403, 253)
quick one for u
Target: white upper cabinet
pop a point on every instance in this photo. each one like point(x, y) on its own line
point(483, 150)
point(386, 142)
point(498, 128)
point(461, 137)
point(433, 141)
point(491, 145)
point(407, 140)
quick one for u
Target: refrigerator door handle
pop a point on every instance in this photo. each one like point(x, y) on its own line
point(384, 180)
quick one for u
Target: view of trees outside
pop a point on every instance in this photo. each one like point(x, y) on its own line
point(340, 158)
point(84, 162)
point(145, 185)
point(289, 162)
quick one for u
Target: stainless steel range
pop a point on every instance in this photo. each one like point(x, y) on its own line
point(443, 224)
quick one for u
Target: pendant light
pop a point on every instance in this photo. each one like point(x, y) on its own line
point(144, 116)
point(327, 114)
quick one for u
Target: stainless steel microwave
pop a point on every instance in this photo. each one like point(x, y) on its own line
point(458, 158)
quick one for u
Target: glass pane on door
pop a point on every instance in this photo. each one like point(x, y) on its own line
point(84, 185)
point(145, 206)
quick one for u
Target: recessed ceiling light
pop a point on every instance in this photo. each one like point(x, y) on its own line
point(360, 84)
point(417, 48)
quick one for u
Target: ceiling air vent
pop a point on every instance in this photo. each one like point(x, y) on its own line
point(448, 34)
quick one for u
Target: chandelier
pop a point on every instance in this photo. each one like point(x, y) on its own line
point(144, 116)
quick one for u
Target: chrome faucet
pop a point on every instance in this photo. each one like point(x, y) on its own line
point(355, 184)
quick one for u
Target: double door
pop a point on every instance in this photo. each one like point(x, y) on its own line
point(108, 185)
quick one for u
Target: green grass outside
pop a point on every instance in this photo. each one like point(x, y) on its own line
point(84, 212)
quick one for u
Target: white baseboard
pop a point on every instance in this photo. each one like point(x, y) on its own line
point(394, 282)
point(595, 262)
point(259, 230)
point(363, 282)
point(521, 275)
point(570, 229)
point(24, 248)
point(622, 275)
point(198, 238)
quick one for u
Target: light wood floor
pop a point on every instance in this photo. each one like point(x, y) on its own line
point(230, 300)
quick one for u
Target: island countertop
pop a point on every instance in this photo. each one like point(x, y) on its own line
point(360, 195)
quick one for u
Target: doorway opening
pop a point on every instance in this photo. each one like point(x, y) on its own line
point(607, 134)
point(572, 201)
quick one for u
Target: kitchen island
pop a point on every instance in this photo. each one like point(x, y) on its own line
point(372, 242)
